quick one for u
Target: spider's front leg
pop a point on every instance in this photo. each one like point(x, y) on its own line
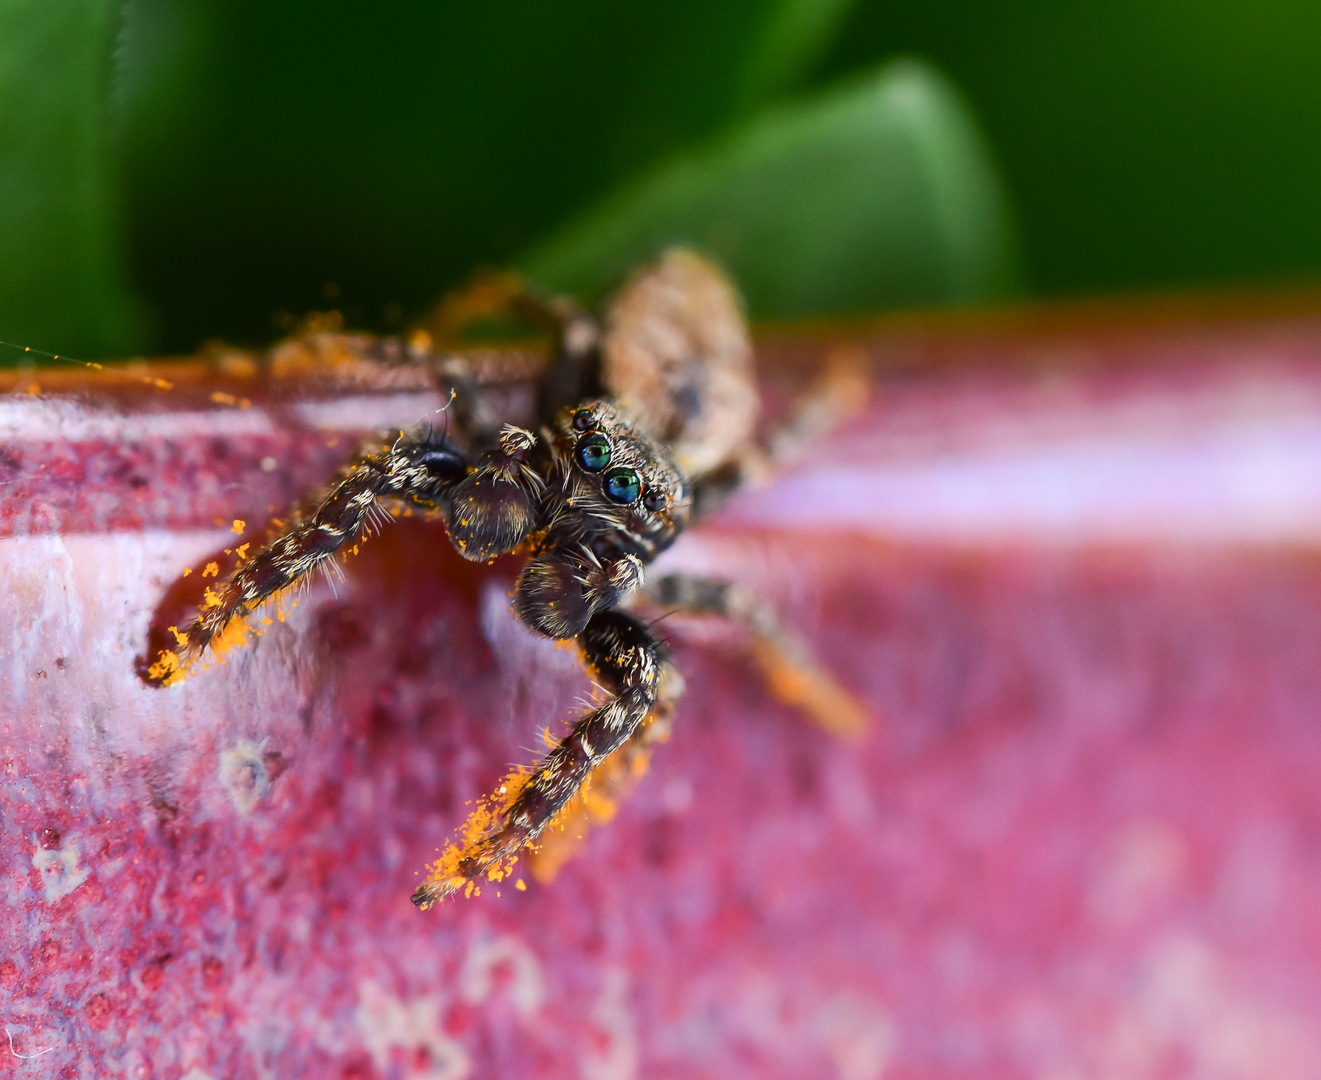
point(623, 655)
point(424, 471)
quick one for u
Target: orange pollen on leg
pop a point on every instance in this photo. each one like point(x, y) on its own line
point(444, 876)
point(167, 670)
point(234, 636)
point(810, 690)
point(596, 803)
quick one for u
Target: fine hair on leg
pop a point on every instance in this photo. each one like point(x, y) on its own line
point(792, 673)
point(421, 471)
point(624, 656)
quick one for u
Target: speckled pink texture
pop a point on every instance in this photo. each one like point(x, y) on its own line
point(1082, 840)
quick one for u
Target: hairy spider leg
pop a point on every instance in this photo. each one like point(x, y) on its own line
point(838, 393)
point(791, 672)
point(611, 784)
point(573, 372)
point(421, 471)
point(624, 656)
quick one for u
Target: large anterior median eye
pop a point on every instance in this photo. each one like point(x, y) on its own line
point(622, 485)
point(593, 452)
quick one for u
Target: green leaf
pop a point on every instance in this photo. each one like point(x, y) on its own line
point(793, 38)
point(879, 193)
point(1148, 145)
point(283, 154)
point(63, 267)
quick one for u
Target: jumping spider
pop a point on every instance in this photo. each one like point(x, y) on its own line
point(643, 420)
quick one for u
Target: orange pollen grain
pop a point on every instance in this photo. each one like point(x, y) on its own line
point(234, 636)
point(444, 876)
point(167, 670)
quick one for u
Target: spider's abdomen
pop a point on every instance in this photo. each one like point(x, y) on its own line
point(677, 357)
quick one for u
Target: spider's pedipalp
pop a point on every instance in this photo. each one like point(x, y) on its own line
point(492, 511)
point(559, 591)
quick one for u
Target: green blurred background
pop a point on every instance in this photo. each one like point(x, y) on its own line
point(178, 170)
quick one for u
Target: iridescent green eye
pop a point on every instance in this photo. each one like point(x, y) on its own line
point(593, 452)
point(622, 485)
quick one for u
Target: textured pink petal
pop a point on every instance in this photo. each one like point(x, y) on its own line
point(1074, 573)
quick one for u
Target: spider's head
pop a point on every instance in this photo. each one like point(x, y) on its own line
point(615, 482)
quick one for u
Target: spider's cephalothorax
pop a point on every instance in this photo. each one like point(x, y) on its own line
point(611, 503)
point(663, 386)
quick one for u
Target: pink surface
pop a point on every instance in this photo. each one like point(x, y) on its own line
point(1083, 839)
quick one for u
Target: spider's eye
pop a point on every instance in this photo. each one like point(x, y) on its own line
point(654, 500)
point(593, 452)
point(583, 419)
point(622, 485)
